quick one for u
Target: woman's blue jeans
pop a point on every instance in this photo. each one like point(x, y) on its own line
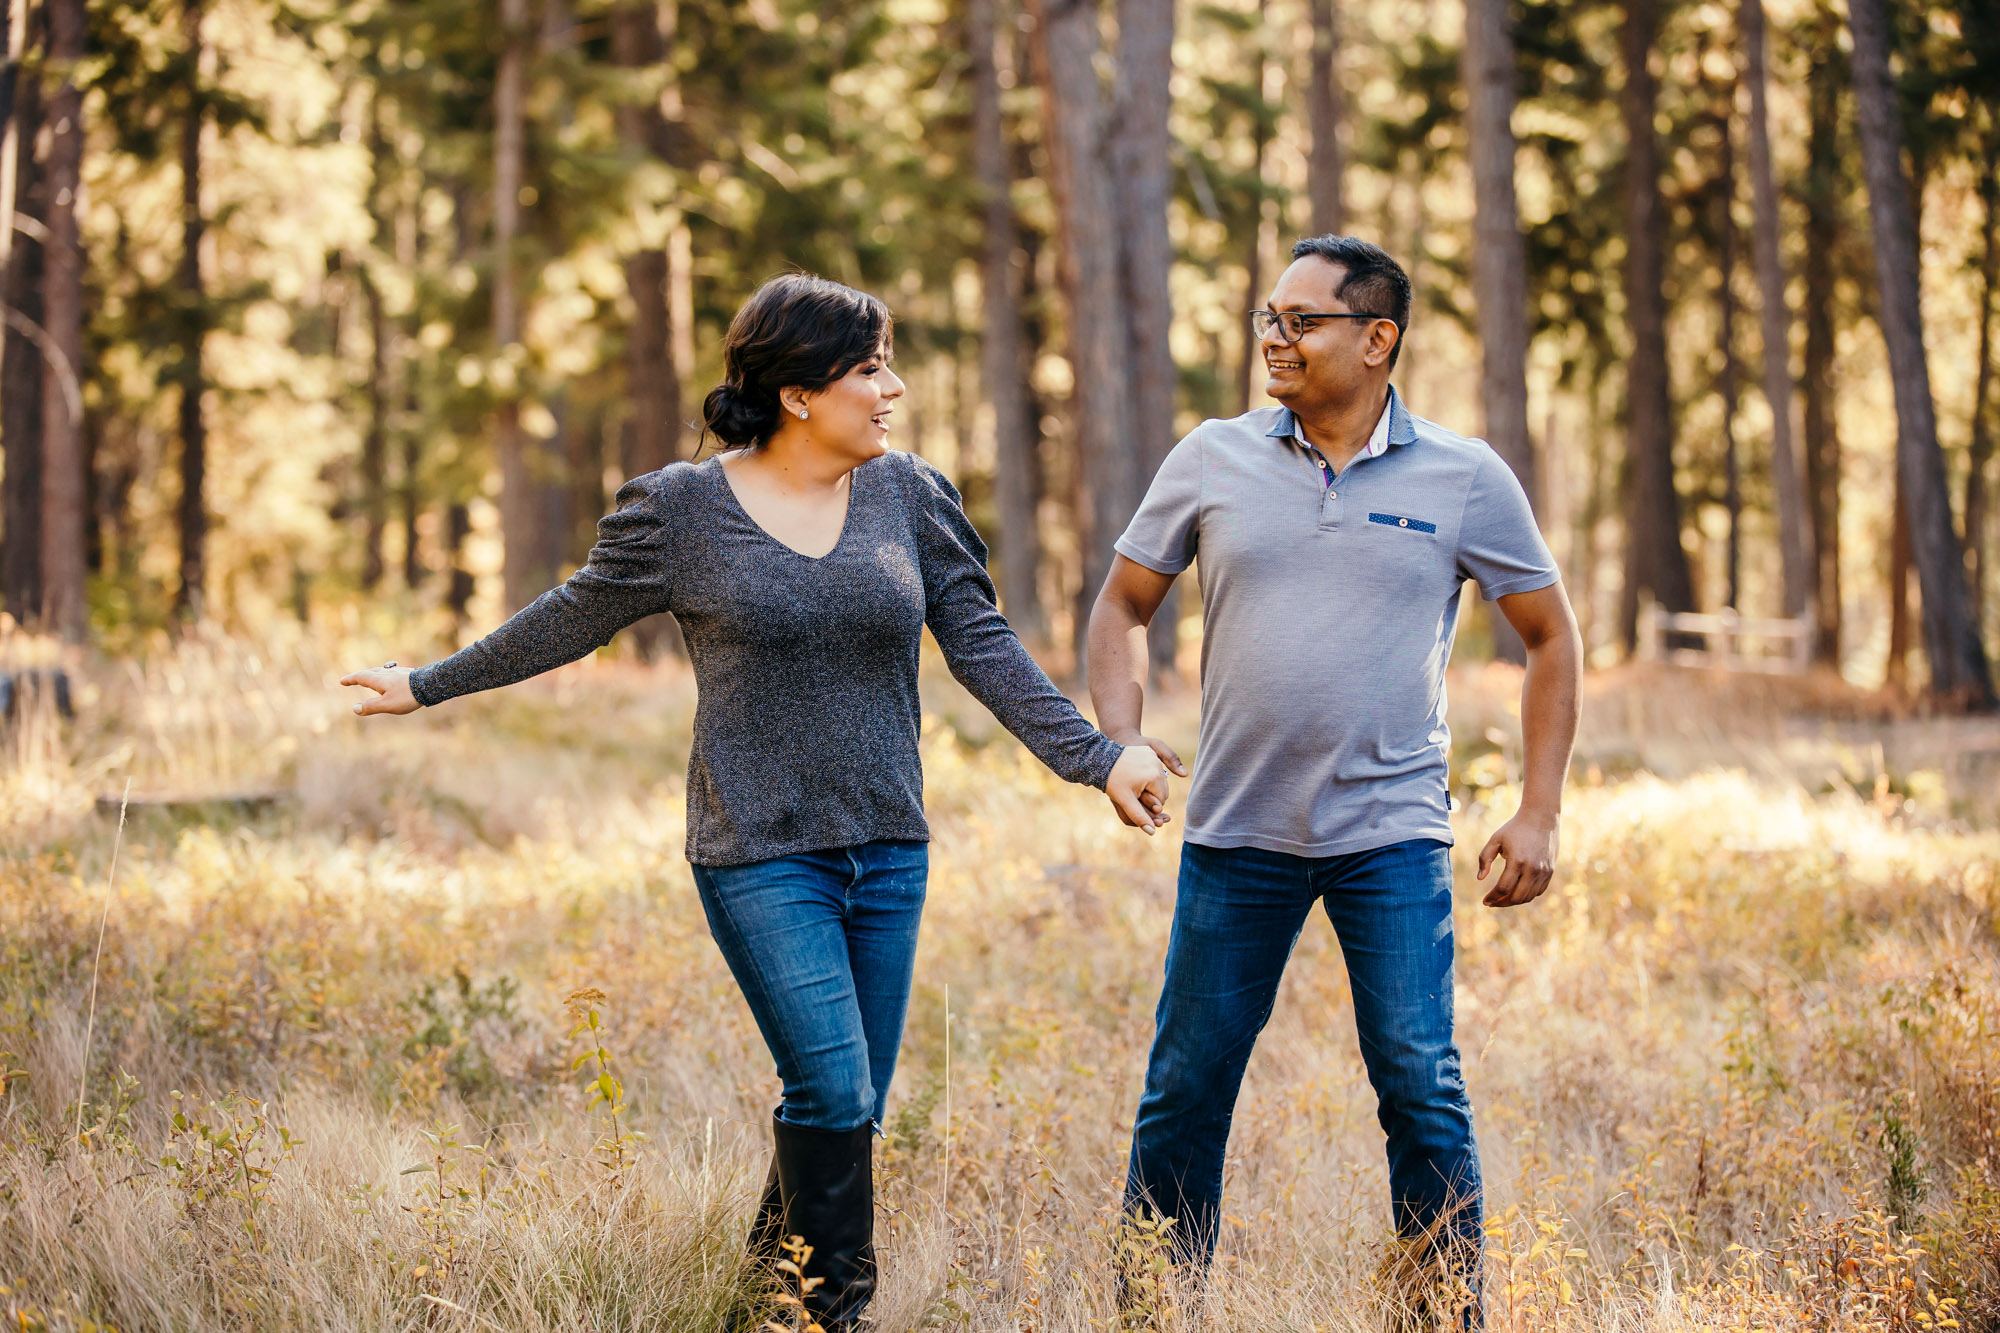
point(1238, 915)
point(823, 945)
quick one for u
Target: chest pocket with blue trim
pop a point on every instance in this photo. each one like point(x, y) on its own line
point(1397, 521)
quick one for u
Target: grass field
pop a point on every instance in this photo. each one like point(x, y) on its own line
point(1739, 1070)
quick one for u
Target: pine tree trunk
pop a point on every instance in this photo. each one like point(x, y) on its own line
point(375, 439)
point(189, 601)
point(1959, 674)
point(651, 437)
point(1066, 45)
point(1654, 559)
point(1003, 357)
point(1325, 162)
point(1499, 262)
point(64, 457)
point(1729, 385)
point(21, 361)
point(1253, 255)
point(1822, 437)
point(1896, 673)
point(1775, 319)
point(518, 489)
point(1979, 460)
point(1141, 157)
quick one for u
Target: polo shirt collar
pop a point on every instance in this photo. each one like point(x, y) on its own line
point(1392, 427)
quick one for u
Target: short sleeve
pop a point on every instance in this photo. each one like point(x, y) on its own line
point(1162, 535)
point(1500, 547)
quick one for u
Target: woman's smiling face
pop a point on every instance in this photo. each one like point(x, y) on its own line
point(851, 415)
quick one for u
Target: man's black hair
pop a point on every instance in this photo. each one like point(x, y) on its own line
point(1371, 282)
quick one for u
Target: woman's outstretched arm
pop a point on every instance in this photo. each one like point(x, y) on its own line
point(627, 578)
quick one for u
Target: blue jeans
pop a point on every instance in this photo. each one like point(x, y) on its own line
point(1239, 913)
point(823, 945)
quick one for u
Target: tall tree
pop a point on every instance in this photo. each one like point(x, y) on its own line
point(1253, 255)
point(193, 511)
point(1654, 559)
point(1066, 46)
point(651, 435)
point(653, 438)
point(1003, 356)
point(1729, 382)
point(22, 194)
point(1140, 152)
point(1979, 458)
point(1822, 192)
point(375, 434)
point(1775, 322)
point(1499, 259)
point(64, 456)
point(519, 517)
point(1959, 672)
point(1326, 163)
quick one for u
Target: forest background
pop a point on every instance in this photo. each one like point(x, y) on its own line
point(366, 309)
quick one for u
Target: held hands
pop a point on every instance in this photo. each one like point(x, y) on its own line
point(1138, 783)
point(1528, 845)
point(391, 683)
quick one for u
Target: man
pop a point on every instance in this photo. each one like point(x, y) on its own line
point(1334, 534)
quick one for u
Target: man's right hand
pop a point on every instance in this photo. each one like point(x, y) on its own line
point(1145, 805)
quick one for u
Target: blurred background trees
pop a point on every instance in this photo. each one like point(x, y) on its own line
point(364, 310)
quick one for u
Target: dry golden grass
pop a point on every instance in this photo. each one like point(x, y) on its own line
point(1741, 1068)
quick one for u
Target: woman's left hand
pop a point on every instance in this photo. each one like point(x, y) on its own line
point(1138, 789)
point(391, 683)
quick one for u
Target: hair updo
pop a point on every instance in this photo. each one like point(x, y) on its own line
point(796, 331)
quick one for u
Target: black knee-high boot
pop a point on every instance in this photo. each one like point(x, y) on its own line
point(826, 1181)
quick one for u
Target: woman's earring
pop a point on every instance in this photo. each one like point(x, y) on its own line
point(802, 414)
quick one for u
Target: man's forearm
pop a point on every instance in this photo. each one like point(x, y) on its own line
point(1118, 667)
point(1551, 701)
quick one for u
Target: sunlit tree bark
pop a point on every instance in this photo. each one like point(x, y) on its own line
point(1326, 162)
point(1140, 153)
point(1499, 260)
point(1654, 559)
point(1003, 357)
point(21, 361)
point(1066, 46)
point(1822, 436)
point(64, 457)
point(1775, 322)
point(518, 491)
point(1959, 673)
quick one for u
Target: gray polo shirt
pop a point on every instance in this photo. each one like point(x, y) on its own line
point(1329, 602)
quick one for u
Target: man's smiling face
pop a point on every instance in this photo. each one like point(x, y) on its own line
point(1333, 358)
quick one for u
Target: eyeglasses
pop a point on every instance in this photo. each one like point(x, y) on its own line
point(1292, 324)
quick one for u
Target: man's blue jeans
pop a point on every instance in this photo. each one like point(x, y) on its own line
point(1239, 913)
point(823, 945)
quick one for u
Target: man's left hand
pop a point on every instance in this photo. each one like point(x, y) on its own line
point(1528, 846)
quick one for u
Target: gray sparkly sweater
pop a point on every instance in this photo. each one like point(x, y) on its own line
point(806, 720)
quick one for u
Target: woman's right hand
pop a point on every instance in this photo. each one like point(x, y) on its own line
point(391, 684)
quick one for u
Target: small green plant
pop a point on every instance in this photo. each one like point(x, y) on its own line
point(1144, 1256)
point(442, 1210)
point(112, 1125)
point(1907, 1183)
point(223, 1156)
point(616, 1150)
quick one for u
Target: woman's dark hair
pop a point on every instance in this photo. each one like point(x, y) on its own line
point(796, 331)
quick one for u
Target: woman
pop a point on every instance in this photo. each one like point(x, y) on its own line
point(803, 566)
